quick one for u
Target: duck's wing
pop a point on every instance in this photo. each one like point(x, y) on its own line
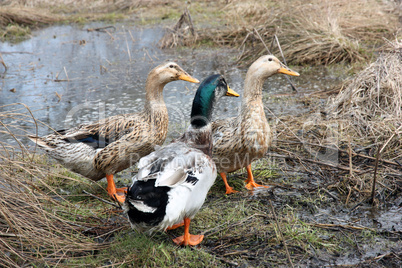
point(102, 133)
point(173, 165)
point(225, 134)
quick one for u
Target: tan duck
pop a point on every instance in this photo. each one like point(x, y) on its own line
point(108, 146)
point(238, 141)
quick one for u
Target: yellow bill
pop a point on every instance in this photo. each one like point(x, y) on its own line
point(285, 70)
point(232, 93)
point(188, 78)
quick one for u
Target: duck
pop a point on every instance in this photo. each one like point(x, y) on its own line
point(173, 181)
point(103, 148)
point(240, 140)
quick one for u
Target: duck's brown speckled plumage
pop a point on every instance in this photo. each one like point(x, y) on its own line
point(240, 140)
point(128, 137)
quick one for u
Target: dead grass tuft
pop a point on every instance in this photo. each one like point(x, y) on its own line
point(315, 33)
point(372, 102)
point(182, 33)
point(25, 16)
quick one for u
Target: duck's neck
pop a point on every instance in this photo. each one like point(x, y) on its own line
point(199, 134)
point(154, 94)
point(252, 87)
point(155, 112)
point(199, 138)
point(201, 111)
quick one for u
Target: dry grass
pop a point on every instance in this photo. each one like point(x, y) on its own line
point(37, 226)
point(82, 6)
point(314, 32)
point(326, 149)
point(182, 33)
point(371, 103)
point(376, 92)
point(25, 16)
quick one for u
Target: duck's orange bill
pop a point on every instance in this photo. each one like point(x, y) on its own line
point(188, 78)
point(284, 70)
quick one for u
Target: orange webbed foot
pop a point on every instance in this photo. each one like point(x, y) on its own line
point(118, 194)
point(119, 198)
point(229, 190)
point(191, 240)
point(175, 226)
point(188, 239)
point(252, 185)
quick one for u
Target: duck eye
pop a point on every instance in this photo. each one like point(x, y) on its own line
point(269, 59)
point(171, 66)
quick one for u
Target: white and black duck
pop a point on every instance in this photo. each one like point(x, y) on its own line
point(173, 181)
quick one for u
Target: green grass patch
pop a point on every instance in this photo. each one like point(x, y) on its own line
point(131, 249)
point(15, 33)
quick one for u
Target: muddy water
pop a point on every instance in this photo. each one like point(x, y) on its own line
point(68, 75)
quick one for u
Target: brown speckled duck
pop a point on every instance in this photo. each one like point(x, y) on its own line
point(106, 147)
point(240, 140)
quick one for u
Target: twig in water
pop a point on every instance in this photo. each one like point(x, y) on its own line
point(128, 47)
point(101, 29)
point(101, 199)
point(281, 235)
point(149, 56)
point(289, 156)
point(340, 226)
point(132, 38)
point(384, 161)
point(65, 71)
point(3, 63)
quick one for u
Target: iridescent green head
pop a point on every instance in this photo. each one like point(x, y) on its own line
point(210, 91)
